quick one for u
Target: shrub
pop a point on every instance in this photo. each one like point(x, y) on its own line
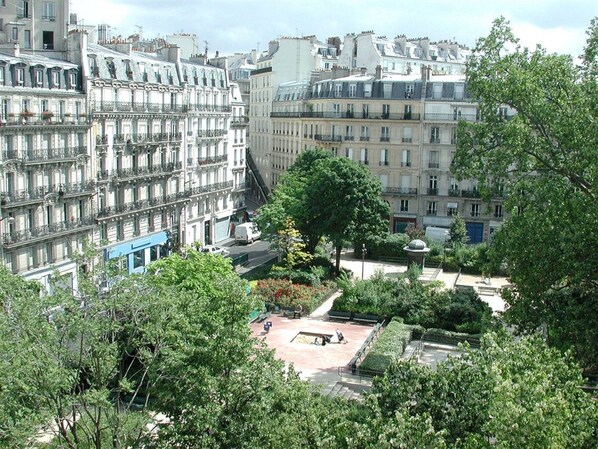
point(284, 293)
point(390, 246)
point(389, 347)
point(416, 303)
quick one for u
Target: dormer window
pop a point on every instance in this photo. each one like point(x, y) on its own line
point(1, 75)
point(39, 78)
point(111, 68)
point(55, 79)
point(72, 80)
point(20, 76)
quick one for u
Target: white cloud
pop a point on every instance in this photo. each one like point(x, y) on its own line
point(101, 11)
point(555, 40)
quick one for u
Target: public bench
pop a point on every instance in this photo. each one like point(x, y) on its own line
point(487, 290)
point(262, 317)
point(338, 315)
point(366, 318)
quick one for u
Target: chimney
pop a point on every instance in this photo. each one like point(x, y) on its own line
point(363, 71)
point(378, 72)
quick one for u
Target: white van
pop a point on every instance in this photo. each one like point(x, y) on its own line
point(247, 233)
point(438, 235)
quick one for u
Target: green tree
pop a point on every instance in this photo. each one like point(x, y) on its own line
point(359, 213)
point(546, 160)
point(457, 232)
point(76, 363)
point(506, 394)
point(314, 183)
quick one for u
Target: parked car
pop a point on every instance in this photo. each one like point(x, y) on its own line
point(247, 233)
point(210, 249)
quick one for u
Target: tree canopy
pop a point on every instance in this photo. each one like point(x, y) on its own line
point(328, 197)
point(543, 153)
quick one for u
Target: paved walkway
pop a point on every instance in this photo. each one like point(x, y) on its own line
point(292, 339)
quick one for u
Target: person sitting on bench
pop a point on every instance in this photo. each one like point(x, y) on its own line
point(298, 311)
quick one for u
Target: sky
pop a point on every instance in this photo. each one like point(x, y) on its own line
point(231, 26)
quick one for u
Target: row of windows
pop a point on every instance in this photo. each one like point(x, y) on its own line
point(39, 77)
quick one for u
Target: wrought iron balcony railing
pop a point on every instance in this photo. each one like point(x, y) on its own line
point(52, 231)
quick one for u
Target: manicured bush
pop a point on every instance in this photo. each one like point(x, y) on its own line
point(389, 347)
point(416, 303)
point(284, 293)
point(391, 245)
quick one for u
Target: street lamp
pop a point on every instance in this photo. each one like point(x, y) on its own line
point(363, 250)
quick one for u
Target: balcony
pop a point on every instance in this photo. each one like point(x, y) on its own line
point(407, 139)
point(406, 164)
point(454, 192)
point(434, 140)
point(140, 205)
point(210, 134)
point(239, 122)
point(48, 232)
point(364, 138)
point(475, 214)
point(202, 190)
point(43, 193)
point(44, 119)
point(432, 191)
point(433, 165)
point(470, 193)
point(431, 212)
point(45, 155)
point(400, 191)
point(451, 117)
point(364, 162)
point(202, 107)
point(153, 171)
point(345, 115)
point(384, 139)
point(127, 106)
point(327, 138)
point(211, 160)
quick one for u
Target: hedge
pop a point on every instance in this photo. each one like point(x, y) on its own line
point(390, 346)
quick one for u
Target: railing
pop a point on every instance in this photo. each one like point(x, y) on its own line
point(434, 140)
point(141, 204)
point(451, 117)
point(406, 139)
point(212, 159)
point(384, 139)
point(126, 106)
point(47, 230)
point(240, 121)
point(454, 192)
point(147, 171)
point(400, 190)
point(362, 351)
point(40, 193)
point(433, 165)
point(470, 193)
point(349, 138)
point(211, 133)
point(432, 191)
point(210, 188)
point(45, 154)
point(209, 108)
point(327, 138)
point(344, 115)
point(29, 119)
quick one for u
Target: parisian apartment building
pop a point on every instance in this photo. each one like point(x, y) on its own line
point(136, 153)
point(392, 106)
